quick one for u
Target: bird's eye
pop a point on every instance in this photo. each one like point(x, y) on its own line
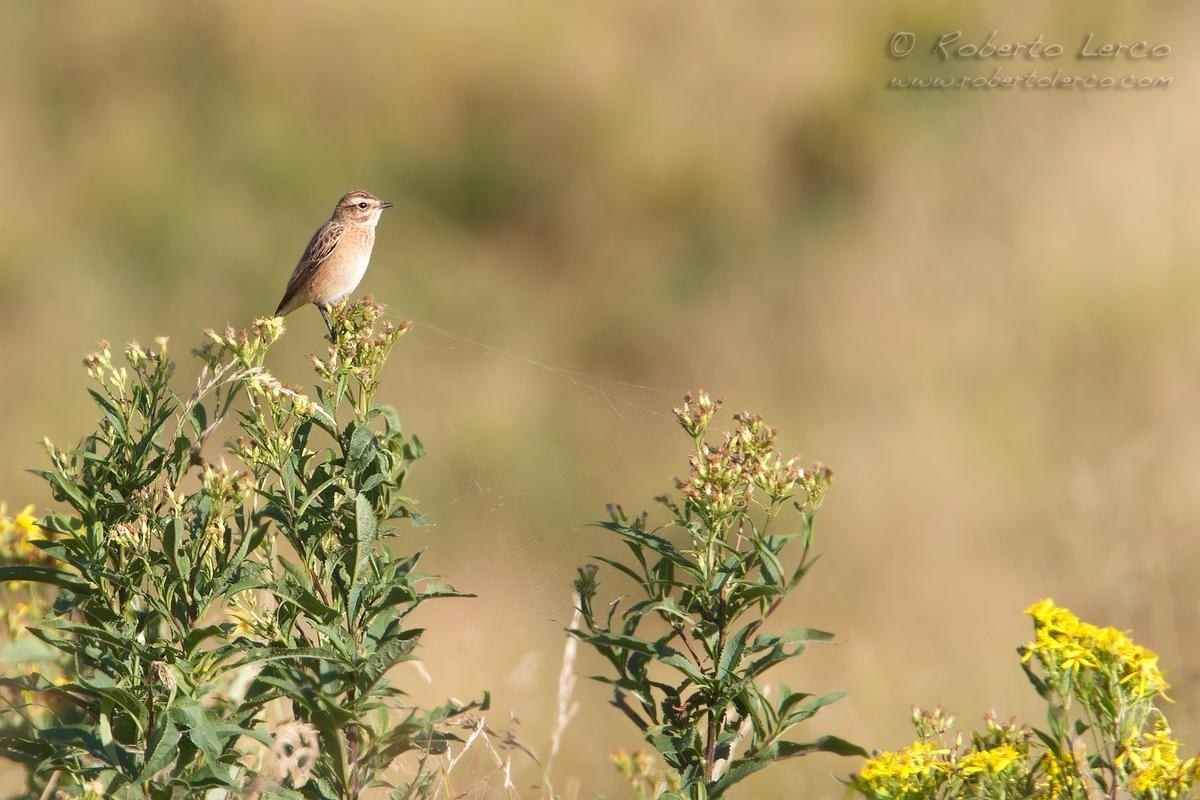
point(362, 205)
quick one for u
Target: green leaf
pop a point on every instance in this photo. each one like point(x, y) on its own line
point(116, 697)
point(802, 709)
point(763, 757)
point(199, 419)
point(56, 577)
point(366, 526)
point(66, 490)
point(298, 654)
point(825, 744)
point(668, 608)
point(677, 750)
point(388, 655)
point(731, 653)
point(361, 438)
point(298, 590)
point(174, 534)
point(686, 666)
point(83, 736)
point(204, 729)
point(777, 650)
point(115, 418)
point(1043, 689)
point(198, 636)
point(375, 481)
point(637, 579)
point(209, 776)
point(307, 601)
point(315, 494)
point(770, 566)
point(391, 420)
point(652, 541)
point(744, 594)
point(794, 635)
point(162, 749)
point(624, 642)
point(415, 448)
point(330, 726)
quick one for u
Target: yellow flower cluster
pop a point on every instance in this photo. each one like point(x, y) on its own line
point(908, 773)
point(17, 537)
point(989, 762)
point(1070, 649)
point(1152, 762)
point(20, 602)
point(1057, 779)
point(1114, 683)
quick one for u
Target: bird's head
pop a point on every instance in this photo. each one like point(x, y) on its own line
point(360, 208)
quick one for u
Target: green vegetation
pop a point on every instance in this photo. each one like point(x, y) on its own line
point(231, 629)
point(701, 606)
point(187, 628)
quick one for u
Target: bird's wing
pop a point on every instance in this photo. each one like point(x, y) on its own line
point(319, 247)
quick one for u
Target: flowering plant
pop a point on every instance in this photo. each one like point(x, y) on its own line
point(1106, 737)
point(689, 655)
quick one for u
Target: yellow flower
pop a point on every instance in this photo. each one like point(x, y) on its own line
point(243, 623)
point(1141, 670)
point(26, 523)
point(1067, 647)
point(1152, 761)
point(16, 537)
point(1075, 657)
point(989, 762)
point(250, 619)
point(1058, 778)
point(1041, 611)
point(903, 773)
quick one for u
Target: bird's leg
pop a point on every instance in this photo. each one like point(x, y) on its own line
point(325, 316)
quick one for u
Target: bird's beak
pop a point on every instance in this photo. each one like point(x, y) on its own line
point(385, 205)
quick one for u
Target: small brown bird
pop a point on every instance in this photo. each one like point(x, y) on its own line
point(336, 258)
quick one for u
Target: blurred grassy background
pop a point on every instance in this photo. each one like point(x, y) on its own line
point(978, 306)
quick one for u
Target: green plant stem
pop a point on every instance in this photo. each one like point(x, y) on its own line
point(352, 745)
point(710, 747)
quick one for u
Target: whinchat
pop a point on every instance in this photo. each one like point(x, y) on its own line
point(336, 258)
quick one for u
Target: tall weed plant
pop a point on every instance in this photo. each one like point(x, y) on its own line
point(229, 631)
